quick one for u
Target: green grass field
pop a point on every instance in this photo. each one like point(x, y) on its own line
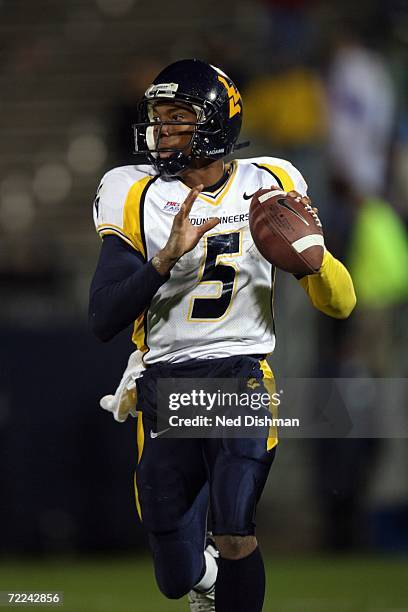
point(347, 584)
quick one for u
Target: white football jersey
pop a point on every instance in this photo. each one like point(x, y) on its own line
point(218, 300)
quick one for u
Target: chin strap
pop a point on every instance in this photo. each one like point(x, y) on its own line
point(173, 165)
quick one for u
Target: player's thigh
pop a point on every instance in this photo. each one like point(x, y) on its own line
point(239, 469)
point(170, 475)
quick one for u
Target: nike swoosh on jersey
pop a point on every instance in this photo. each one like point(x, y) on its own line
point(249, 197)
point(156, 434)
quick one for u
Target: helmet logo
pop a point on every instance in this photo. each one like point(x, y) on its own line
point(234, 97)
point(162, 90)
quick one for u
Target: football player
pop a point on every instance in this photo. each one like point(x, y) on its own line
point(178, 261)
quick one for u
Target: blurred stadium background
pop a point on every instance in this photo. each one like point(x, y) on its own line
point(324, 85)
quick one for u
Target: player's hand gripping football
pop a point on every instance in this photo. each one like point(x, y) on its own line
point(183, 236)
point(306, 201)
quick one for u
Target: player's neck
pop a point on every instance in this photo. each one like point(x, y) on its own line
point(206, 175)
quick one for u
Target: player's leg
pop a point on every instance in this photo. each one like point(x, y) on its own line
point(238, 472)
point(172, 499)
point(236, 487)
point(241, 579)
point(178, 557)
point(241, 574)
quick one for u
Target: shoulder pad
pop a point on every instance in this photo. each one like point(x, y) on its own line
point(116, 206)
point(285, 174)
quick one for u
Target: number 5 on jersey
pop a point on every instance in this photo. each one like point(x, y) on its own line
point(220, 271)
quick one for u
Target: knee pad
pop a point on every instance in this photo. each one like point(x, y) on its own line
point(178, 563)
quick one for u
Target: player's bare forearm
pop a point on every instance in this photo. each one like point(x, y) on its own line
point(183, 236)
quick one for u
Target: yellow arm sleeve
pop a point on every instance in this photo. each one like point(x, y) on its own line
point(331, 290)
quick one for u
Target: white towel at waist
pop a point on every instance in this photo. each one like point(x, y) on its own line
point(123, 402)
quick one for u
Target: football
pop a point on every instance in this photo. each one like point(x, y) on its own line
point(286, 232)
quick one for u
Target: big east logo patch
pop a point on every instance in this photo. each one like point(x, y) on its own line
point(172, 207)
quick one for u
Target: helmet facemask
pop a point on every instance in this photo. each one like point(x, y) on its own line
point(148, 133)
